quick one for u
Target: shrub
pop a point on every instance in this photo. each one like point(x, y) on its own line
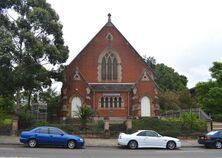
point(170, 127)
point(100, 124)
point(191, 123)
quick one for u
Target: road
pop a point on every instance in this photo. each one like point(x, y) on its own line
point(106, 152)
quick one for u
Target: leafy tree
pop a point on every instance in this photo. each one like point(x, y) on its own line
point(151, 61)
point(6, 68)
point(32, 39)
point(210, 93)
point(216, 72)
point(170, 100)
point(7, 105)
point(168, 79)
point(173, 93)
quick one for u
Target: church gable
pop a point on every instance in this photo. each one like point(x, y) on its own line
point(109, 57)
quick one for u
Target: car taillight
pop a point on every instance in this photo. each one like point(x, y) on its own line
point(207, 137)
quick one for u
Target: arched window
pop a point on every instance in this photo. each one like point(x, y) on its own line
point(102, 102)
point(104, 69)
point(114, 69)
point(109, 69)
point(109, 66)
point(107, 102)
point(120, 102)
point(115, 102)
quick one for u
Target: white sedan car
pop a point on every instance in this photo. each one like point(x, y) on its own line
point(148, 139)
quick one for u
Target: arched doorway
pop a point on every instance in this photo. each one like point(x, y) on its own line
point(145, 107)
point(76, 103)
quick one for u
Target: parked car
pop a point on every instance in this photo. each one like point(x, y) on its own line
point(50, 136)
point(211, 139)
point(148, 139)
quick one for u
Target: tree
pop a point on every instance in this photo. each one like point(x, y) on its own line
point(168, 79)
point(210, 93)
point(151, 61)
point(173, 92)
point(33, 45)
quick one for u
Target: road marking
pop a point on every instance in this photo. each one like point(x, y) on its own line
point(7, 148)
point(184, 151)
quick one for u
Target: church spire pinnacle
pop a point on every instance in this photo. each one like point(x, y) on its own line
point(109, 17)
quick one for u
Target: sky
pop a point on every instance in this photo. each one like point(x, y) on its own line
point(183, 34)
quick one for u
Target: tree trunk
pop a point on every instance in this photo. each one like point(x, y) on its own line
point(29, 99)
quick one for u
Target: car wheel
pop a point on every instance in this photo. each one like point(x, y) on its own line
point(171, 145)
point(32, 143)
point(71, 144)
point(218, 145)
point(133, 144)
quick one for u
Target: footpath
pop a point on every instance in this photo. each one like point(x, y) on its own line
point(98, 142)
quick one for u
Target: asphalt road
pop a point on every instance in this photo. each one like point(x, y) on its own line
point(108, 152)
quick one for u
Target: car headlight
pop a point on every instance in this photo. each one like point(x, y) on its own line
point(81, 140)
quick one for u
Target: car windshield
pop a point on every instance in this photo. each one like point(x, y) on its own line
point(212, 133)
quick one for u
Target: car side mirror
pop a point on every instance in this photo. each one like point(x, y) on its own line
point(159, 135)
point(62, 134)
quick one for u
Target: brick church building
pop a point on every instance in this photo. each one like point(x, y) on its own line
point(111, 77)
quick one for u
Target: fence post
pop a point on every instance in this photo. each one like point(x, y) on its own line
point(106, 127)
point(14, 131)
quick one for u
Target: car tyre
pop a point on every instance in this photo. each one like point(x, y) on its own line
point(71, 144)
point(132, 144)
point(171, 145)
point(32, 143)
point(218, 145)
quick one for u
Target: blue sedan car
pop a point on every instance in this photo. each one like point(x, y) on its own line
point(212, 139)
point(50, 136)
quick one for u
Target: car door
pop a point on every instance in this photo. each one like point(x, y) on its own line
point(57, 137)
point(141, 138)
point(42, 135)
point(153, 139)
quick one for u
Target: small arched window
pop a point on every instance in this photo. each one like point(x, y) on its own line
point(102, 102)
point(111, 102)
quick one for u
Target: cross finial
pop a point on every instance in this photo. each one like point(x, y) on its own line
point(109, 17)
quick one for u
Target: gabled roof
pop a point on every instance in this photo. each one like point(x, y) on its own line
point(110, 24)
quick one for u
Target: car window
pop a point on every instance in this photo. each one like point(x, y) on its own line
point(151, 134)
point(55, 131)
point(143, 133)
point(37, 130)
point(220, 134)
point(43, 130)
point(212, 133)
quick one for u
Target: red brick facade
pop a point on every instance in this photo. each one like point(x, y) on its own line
point(111, 77)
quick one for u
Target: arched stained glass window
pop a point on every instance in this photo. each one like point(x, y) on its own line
point(114, 69)
point(104, 69)
point(109, 69)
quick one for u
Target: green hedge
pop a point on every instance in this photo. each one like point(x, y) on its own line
point(170, 127)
